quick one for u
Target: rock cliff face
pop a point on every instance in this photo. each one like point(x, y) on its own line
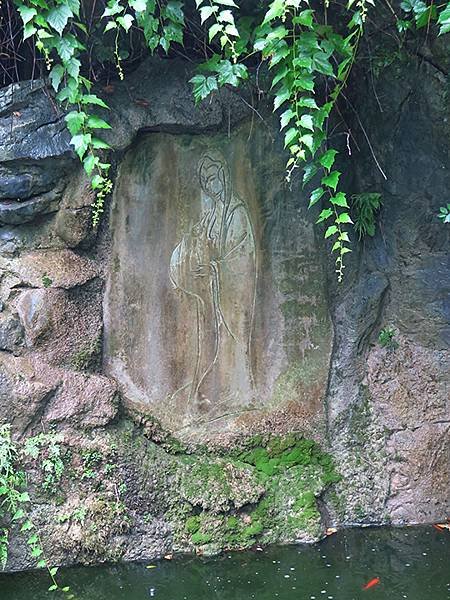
point(196, 355)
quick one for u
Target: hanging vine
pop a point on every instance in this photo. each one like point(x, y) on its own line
point(308, 59)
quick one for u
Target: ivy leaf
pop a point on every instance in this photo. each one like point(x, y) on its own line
point(444, 20)
point(316, 195)
point(138, 5)
point(344, 218)
point(75, 121)
point(304, 18)
point(332, 230)
point(52, 588)
point(93, 99)
point(276, 10)
point(58, 17)
point(56, 75)
point(306, 121)
point(286, 118)
point(206, 12)
point(307, 102)
point(305, 82)
point(28, 30)
point(290, 136)
point(214, 30)
point(281, 96)
point(99, 144)
point(327, 159)
point(322, 64)
point(226, 2)
point(203, 86)
point(89, 163)
point(309, 171)
point(126, 21)
point(340, 200)
point(308, 140)
point(324, 215)
point(81, 143)
point(26, 13)
point(331, 180)
point(95, 122)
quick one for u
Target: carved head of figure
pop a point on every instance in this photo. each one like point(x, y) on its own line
point(213, 178)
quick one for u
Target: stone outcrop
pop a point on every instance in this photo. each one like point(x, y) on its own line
point(185, 352)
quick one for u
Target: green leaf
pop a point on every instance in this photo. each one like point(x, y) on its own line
point(81, 143)
point(332, 230)
point(340, 200)
point(110, 25)
point(331, 180)
point(309, 171)
point(444, 20)
point(56, 75)
point(95, 122)
point(42, 564)
point(19, 514)
point(324, 215)
point(322, 64)
point(33, 540)
point(93, 99)
point(226, 3)
point(99, 144)
point(286, 118)
point(126, 21)
point(53, 571)
point(203, 86)
point(305, 82)
point(89, 163)
point(75, 121)
point(316, 195)
point(26, 13)
point(304, 18)
point(58, 17)
point(275, 11)
point(327, 159)
point(308, 141)
point(28, 30)
point(138, 5)
point(306, 121)
point(281, 96)
point(27, 526)
point(290, 136)
point(307, 102)
point(206, 12)
point(52, 588)
point(344, 218)
point(214, 30)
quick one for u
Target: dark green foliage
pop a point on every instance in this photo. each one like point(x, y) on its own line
point(366, 207)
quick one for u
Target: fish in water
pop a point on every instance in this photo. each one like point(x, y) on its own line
point(371, 583)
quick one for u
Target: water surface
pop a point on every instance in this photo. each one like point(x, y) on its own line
point(412, 563)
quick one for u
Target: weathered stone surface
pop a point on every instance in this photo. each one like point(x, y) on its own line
point(33, 393)
point(52, 268)
point(158, 97)
point(11, 333)
point(388, 409)
point(13, 213)
point(223, 316)
point(31, 125)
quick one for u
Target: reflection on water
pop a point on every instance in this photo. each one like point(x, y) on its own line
point(412, 563)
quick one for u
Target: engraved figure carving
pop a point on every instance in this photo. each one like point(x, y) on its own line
point(215, 267)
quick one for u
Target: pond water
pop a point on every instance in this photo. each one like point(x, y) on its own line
point(412, 563)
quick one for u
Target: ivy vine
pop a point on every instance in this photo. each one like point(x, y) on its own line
point(309, 62)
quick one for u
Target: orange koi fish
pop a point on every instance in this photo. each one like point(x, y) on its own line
point(371, 583)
